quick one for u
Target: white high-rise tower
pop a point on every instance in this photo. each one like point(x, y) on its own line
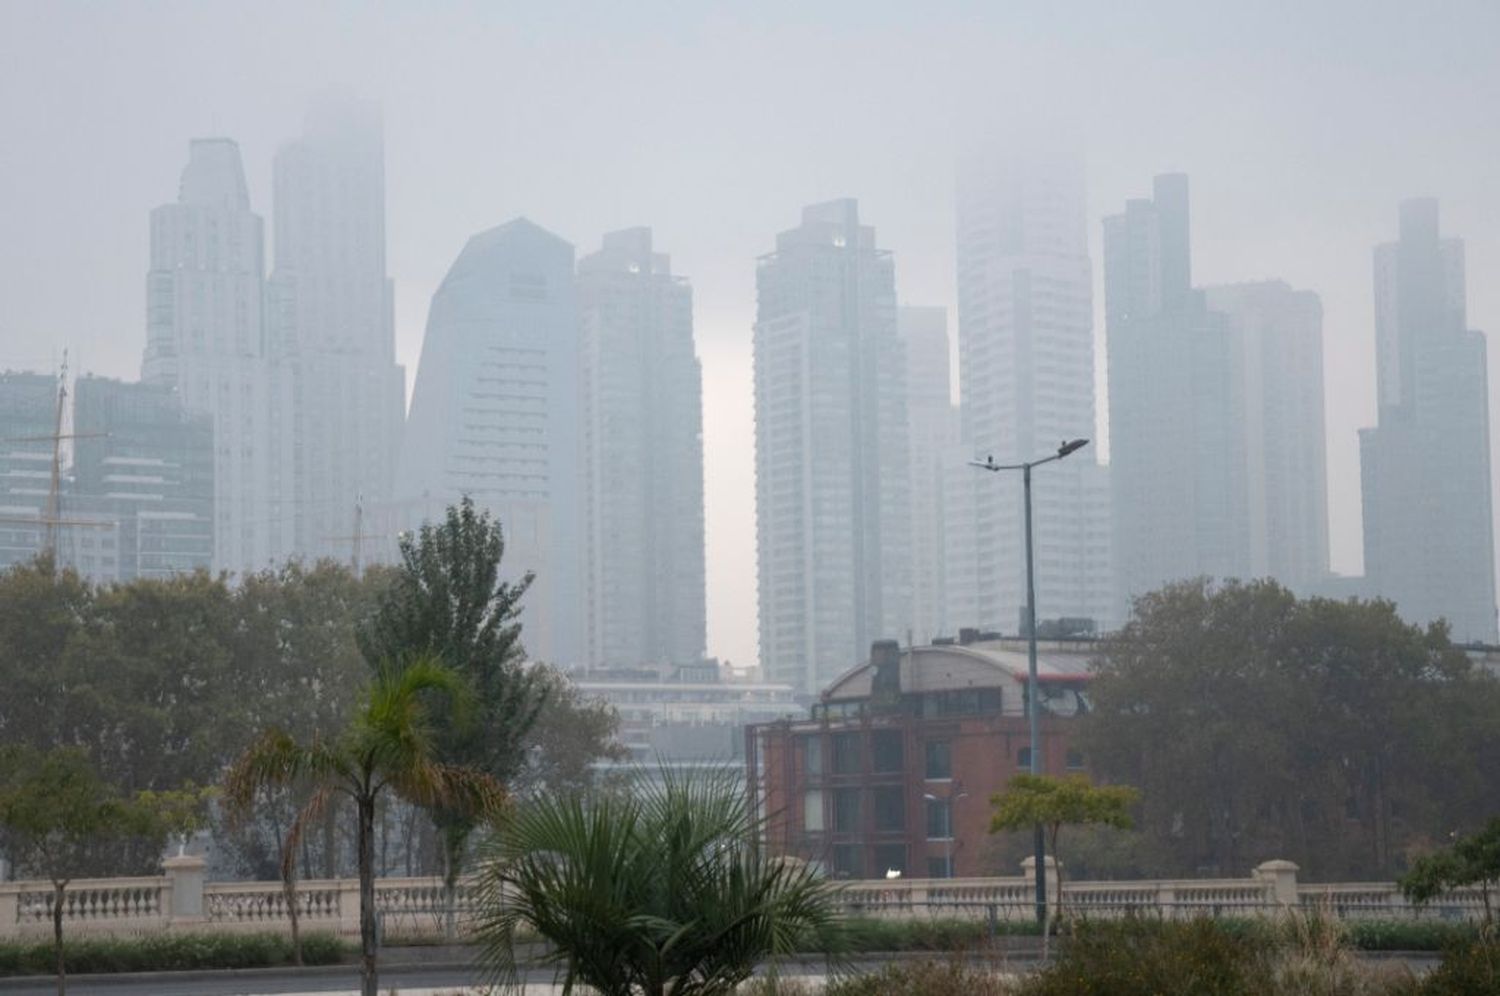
point(1026, 373)
point(331, 324)
point(494, 415)
point(206, 339)
point(641, 432)
point(831, 477)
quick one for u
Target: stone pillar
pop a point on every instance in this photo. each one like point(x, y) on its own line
point(348, 907)
point(185, 874)
point(1281, 877)
point(1028, 872)
point(9, 901)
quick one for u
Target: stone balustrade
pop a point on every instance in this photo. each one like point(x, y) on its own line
point(181, 899)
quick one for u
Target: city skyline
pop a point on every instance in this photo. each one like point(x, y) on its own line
point(1284, 214)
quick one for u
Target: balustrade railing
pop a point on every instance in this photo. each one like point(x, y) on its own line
point(414, 907)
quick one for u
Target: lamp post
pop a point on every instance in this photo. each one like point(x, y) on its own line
point(1032, 695)
point(947, 837)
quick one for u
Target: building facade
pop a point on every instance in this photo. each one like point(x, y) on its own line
point(28, 419)
point(1026, 371)
point(331, 328)
point(894, 768)
point(691, 716)
point(1276, 361)
point(205, 341)
point(933, 447)
point(1176, 457)
point(641, 433)
point(1425, 466)
point(144, 463)
point(831, 483)
point(494, 415)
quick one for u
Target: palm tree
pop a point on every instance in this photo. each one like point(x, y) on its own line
point(664, 893)
point(387, 746)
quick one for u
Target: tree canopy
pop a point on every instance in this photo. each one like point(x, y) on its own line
point(448, 598)
point(1259, 725)
point(1470, 860)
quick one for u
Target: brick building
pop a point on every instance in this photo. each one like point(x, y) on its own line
point(894, 768)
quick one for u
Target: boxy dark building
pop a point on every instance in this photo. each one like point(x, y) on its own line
point(894, 768)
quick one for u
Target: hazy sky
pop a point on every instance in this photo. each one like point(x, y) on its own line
point(1301, 124)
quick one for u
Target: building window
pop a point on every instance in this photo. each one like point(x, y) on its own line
point(939, 819)
point(1023, 758)
point(846, 810)
point(887, 750)
point(1075, 760)
point(846, 759)
point(890, 808)
point(939, 759)
point(890, 858)
point(812, 755)
point(937, 867)
point(812, 811)
point(846, 861)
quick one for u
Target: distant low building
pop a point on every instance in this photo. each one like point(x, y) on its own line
point(894, 766)
point(690, 716)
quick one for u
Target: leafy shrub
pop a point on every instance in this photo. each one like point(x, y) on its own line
point(1134, 957)
point(1409, 935)
point(869, 934)
point(1467, 970)
point(922, 978)
point(168, 952)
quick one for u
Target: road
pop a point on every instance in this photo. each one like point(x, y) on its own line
point(408, 980)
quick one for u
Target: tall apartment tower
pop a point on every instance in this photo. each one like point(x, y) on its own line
point(1425, 467)
point(1176, 459)
point(28, 418)
point(1276, 362)
point(831, 483)
point(205, 339)
point(641, 430)
point(332, 327)
point(147, 465)
point(932, 444)
point(1026, 372)
point(494, 415)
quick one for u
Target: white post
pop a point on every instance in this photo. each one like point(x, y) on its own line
point(1281, 879)
point(10, 896)
point(185, 874)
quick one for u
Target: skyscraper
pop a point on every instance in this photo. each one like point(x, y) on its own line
point(641, 430)
point(494, 415)
point(1276, 359)
point(1425, 466)
point(1026, 371)
point(932, 447)
point(331, 325)
point(831, 481)
point(146, 464)
point(28, 418)
point(205, 339)
point(1176, 457)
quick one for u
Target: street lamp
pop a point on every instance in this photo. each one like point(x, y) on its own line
point(948, 837)
point(1032, 692)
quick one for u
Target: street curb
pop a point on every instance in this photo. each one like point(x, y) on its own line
point(1023, 955)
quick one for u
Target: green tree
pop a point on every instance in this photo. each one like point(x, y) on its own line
point(572, 733)
point(1053, 803)
point(55, 812)
point(41, 611)
point(447, 599)
point(298, 668)
point(1471, 860)
point(663, 892)
point(388, 747)
point(1260, 726)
